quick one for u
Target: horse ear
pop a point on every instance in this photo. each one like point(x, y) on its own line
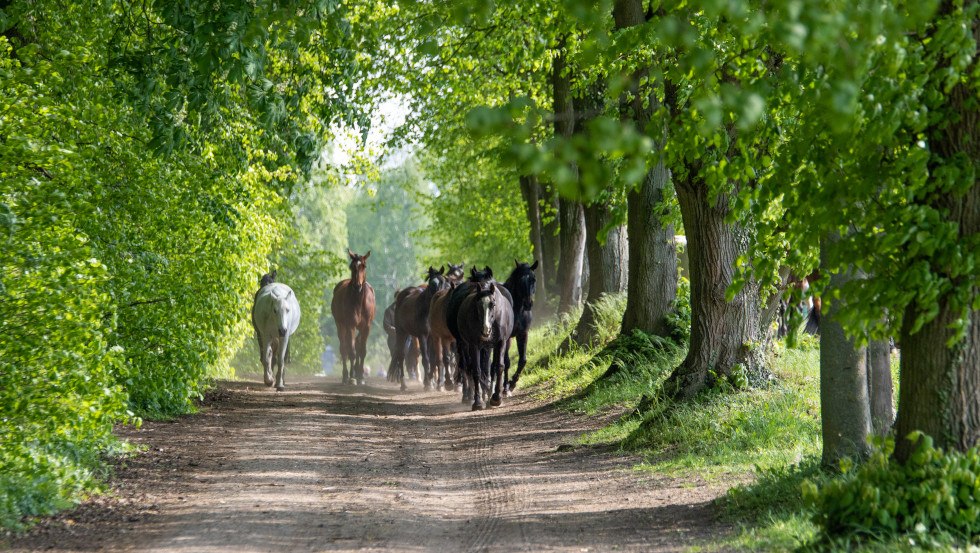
point(488, 270)
point(442, 270)
point(367, 255)
point(535, 265)
point(350, 253)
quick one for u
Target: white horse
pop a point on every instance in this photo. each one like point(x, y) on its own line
point(275, 316)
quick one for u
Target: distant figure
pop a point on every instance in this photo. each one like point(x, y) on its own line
point(327, 359)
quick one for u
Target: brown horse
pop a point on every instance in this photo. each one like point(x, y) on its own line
point(441, 341)
point(353, 310)
point(412, 319)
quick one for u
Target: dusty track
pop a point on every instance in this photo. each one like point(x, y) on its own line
point(326, 467)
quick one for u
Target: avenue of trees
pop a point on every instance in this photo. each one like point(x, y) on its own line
point(156, 158)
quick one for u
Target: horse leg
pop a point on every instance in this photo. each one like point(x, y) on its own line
point(361, 352)
point(435, 360)
point(485, 372)
point(281, 362)
point(475, 355)
point(465, 381)
point(343, 339)
point(404, 340)
point(522, 360)
point(265, 351)
point(507, 369)
point(424, 351)
point(496, 369)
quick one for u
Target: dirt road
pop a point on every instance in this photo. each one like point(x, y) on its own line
point(326, 467)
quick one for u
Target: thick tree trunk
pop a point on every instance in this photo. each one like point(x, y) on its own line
point(607, 265)
point(844, 403)
point(652, 286)
point(531, 193)
point(939, 386)
point(724, 335)
point(571, 213)
point(880, 391)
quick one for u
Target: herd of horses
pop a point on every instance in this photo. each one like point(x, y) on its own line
point(460, 328)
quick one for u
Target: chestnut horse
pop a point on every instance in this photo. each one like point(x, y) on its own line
point(353, 310)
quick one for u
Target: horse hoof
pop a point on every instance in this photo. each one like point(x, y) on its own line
point(280, 388)
point(477, 407)
point(494, 402)
point(360, 383)
point(404, 387)
point(428, 387)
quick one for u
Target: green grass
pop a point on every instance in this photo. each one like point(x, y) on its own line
point(769, 438)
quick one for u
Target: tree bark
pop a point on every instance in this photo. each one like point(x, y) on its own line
point(607, 265)
point(939, 386)
point(724, 335)
point(880, 391)
point(531, 193)
point(652, 287)
point(845, 407)
point(550, 243)
point(571, 213)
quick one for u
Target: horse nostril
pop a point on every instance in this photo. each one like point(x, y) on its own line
point(282, 332)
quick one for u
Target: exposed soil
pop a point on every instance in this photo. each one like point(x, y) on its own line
point(327, 467)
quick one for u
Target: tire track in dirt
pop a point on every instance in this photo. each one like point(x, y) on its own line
point(324, 467)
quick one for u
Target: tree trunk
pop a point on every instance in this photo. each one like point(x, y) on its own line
point(939, 385)
point(550, 243)
point(607, 270)
point(571, 213)
point(724, 335)
point(530, 191)
point(845, 410)
point(880, 390)
point(572, 234)
point(652, 287)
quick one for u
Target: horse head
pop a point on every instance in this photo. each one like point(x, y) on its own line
point(486, 293)
point(480, 276)
point(455, 272)
point(436, 280)
point(358, 267)
point(521, 283)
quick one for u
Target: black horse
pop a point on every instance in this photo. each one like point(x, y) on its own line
point(412, 319)
point(456, 297)
point(520, 284)
point(484, 321)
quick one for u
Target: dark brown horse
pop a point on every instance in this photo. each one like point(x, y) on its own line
point(353, 311)
point(412, 319)
point(412, 358)
point(441, 342)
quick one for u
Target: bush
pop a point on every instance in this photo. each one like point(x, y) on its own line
point(933, 494)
